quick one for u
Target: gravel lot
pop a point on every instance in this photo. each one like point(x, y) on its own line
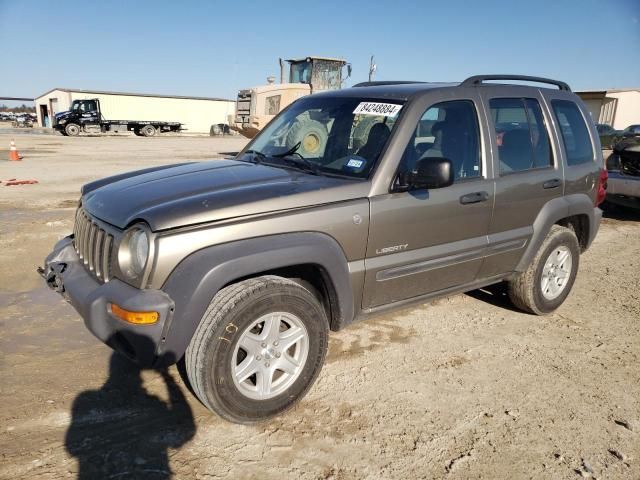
point(464, 387)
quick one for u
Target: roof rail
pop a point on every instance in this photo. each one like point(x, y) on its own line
point(478, 79)
point(385, 82)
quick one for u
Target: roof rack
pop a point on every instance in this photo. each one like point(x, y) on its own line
point(385, 82)
point(478, 79)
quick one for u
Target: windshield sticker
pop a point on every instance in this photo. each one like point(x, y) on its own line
point(377, 109)
point(355, 163)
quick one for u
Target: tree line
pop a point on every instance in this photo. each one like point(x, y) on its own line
point(21, 109)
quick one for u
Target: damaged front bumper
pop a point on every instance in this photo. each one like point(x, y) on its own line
point(623, 189)
point(65, 273)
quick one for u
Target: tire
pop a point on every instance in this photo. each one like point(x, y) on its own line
point(72, 129)
point(542, 288)
point(233, 325)
point(215, 130)
point(311, 134)
point(148, 130)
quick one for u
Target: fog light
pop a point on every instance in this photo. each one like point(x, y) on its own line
point(139, 318)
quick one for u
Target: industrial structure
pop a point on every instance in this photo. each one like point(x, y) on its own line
point(617, 107)
point(197, 114)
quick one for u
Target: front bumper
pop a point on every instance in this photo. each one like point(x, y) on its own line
point(620, 184)
point(65, 273)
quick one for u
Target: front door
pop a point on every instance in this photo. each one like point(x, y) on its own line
point(425, 241)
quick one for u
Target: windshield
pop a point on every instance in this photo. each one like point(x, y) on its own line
point(341, 136)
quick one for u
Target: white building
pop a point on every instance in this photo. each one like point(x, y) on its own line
point(618, 108)
point(197, 114)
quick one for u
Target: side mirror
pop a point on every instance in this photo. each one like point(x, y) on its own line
point(431, 172)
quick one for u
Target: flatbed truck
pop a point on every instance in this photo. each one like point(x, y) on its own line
point(86, 116)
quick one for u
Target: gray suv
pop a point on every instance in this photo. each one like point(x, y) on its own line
point(349, 203)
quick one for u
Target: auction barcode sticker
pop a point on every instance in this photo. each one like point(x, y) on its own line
point(378, 109)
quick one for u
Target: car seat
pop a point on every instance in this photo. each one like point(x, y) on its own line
point(378, 136)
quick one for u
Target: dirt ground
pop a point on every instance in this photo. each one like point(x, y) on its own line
point(464, 387)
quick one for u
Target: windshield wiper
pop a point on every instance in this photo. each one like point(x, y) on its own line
point(256, 156)
point(299, 161)
point(303, 164)
point(291, 151)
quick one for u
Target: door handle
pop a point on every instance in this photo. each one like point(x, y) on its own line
point(554, 183)
point(474, 197)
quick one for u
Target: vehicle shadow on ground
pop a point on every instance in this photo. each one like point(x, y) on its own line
point(123, 431)
point(620, 212)
point(495, 295)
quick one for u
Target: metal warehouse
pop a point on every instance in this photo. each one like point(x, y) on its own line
point(197, 114)
point(618, 108)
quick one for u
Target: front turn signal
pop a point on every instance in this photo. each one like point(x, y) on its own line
point(138, 318)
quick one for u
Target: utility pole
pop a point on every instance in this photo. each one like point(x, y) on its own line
point(372, 67)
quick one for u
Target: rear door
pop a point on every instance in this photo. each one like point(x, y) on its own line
point(427, 241)
point(579, 144)
point(528, 172)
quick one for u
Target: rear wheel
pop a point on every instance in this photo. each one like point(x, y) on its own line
point(546, 283)
point(258, 349)
point(148, 130)
point(72, 129)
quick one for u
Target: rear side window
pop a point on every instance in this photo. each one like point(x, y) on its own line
point(575, 135)
point(521, 134)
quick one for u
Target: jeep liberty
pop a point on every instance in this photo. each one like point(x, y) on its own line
point(348, 203)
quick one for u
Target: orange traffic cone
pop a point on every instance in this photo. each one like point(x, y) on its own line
point(13, 152)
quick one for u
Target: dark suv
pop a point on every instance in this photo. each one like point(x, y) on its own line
point(347, 204)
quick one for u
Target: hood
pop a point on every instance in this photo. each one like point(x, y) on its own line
point(188, 194)
point(62, 114)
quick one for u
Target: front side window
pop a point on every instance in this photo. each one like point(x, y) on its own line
point(84, 106)
point(447, 130)
point(340, 136)
point(575, 135)
point(301, 72)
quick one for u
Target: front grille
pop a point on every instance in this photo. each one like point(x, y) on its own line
point(630, 163)
point(93, 245)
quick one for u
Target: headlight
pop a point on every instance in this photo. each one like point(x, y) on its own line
point(134, 253)
point(62, 122)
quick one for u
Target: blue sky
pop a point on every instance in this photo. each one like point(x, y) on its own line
point(211, 48)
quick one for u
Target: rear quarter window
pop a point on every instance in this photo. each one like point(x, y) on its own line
point(574, 131)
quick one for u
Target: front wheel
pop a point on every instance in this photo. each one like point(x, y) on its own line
point(258, 349)
point(72, 129)
point(546, 283)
